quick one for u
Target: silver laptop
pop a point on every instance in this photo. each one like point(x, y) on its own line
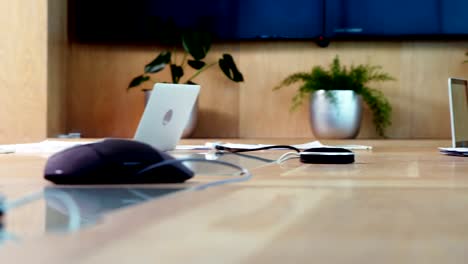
point(458, 98)
point(166, 115)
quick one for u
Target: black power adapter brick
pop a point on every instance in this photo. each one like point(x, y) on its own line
point(327, 156)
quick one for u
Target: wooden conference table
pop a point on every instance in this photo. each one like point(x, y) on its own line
point(401, 202)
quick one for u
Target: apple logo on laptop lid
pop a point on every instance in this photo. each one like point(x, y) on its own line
point(168, 117)
point(166, 114)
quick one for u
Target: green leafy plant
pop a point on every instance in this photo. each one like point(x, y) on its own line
point(195, 45)
point(339, 77)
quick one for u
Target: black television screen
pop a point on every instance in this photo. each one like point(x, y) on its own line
point(143, 20)
point(383, 17)
point(140, 20)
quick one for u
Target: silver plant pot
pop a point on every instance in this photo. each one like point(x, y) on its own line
point(192, 123)
point(340, 119)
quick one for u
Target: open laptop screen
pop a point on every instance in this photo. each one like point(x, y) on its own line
point(458, 96)
point(166, 114)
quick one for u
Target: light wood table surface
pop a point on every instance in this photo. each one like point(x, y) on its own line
point(401, 202)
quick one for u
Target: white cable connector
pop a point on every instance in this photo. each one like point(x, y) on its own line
point(286, 156)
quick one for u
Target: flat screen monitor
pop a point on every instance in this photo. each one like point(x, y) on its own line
point(458, 97)
point(146, 20)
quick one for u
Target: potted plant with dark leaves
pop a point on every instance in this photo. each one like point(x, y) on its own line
point(195, 46)
point(336, 97)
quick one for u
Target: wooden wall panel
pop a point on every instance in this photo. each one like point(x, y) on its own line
point(419, 96)
point(57, 65)
point(23, 70)
point(427, 67)
point(49, 87)
point(98, 102)
point(99, 105)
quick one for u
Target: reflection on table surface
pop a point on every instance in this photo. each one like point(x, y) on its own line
point(69, 209)
point(401, 202)
point(2, 233)
point(65, 209)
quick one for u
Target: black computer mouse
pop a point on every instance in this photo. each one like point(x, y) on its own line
point(113, 161)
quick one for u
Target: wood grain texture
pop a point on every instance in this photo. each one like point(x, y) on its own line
point(402, 202)
point(48, 87)
point(419, 96)
point(23, 70)
point(100, 106)
point(57, 67)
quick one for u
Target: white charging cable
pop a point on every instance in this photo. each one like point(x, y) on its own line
point(242, 171)
point(286, 156)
